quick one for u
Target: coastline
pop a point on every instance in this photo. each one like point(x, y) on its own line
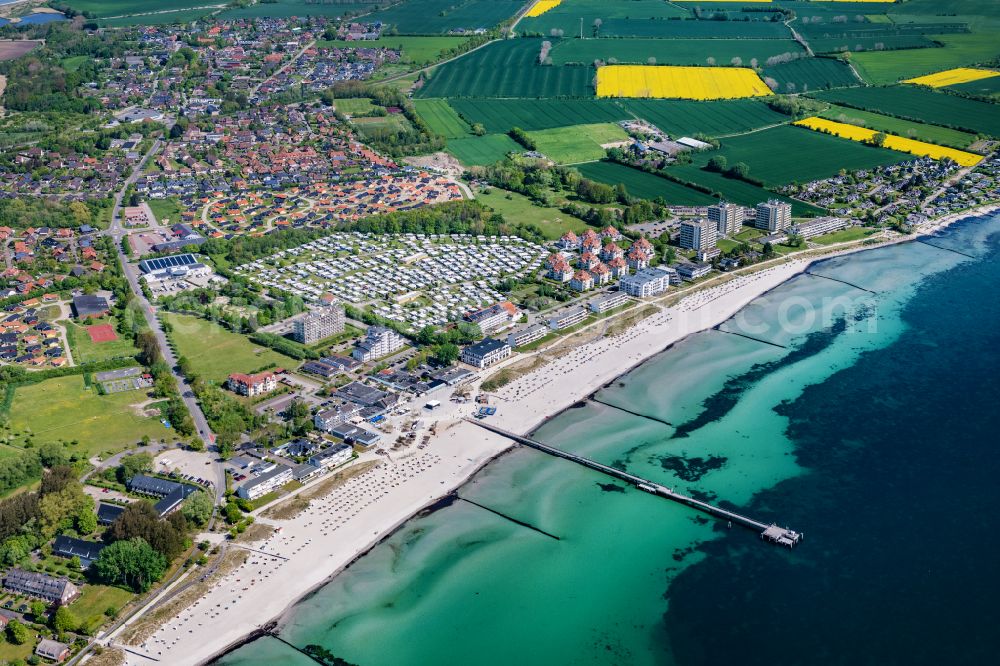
point(560, 384)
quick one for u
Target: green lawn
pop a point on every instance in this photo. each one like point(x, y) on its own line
point(94, 600)
point(914, 130)
point(577, 143)
point(73, 63)
point(166, 211)
point(63, 409)
point(416, 50)
point(844, 235)
point(215, 352)
point(10, 652)
point(85, 350)
point(515, 207)
point(353, 106)
point(392, 122)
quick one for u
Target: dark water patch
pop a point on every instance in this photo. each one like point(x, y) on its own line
point(898, 565)
point(610, 487)
point(690, 469)
point(719, 404)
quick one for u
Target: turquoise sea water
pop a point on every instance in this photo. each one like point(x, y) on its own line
point(869, 424)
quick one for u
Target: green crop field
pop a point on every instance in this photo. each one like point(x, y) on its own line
point(216, 352)
point(434, 17)
point(102, 8)
point(786, 154)
point(415, 50)
point(441, 118)
point(739, 191)
point(286, 8)
point(811, 74)
point(63, 409)
point(160, 18)
point(840, 44)
point(482, 150)
point(499, 115)
point(633, 17)
point(884, 67)
point(984, 87)
point(394, 122)
point(577, 143)
point(671, 51)
point(507, 69)
point(921, 104)
point(688, 118)
point(552, 221)
point(644, 185)
point(932, 133)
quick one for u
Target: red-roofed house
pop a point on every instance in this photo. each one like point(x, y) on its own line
point(252, 385)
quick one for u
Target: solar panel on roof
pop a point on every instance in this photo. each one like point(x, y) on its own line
point(150, 265)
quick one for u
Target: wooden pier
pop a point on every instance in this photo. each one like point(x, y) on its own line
point(771, 532)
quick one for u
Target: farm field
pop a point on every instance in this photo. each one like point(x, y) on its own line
point(441, 118)
point(811, 74)
point(840, 44)
point(217, 352)
point(644, 185)
point(932, 133)
point(9, 50)
point(63, 409)
point(432, 17)
point(710, 118)
point(984, 87)
point(892, 142)
point(513, 206)
point(577, 143)
point(417, 50)
point(679, 82)
point(499, 115)
point(739, 191)
point(636, 14)
point(86, 351)
point(482, 150)
point(786, 154)
point(952, 77)
point(670, 51)
point(959, 50)
point(540, 7)
point(102, 8)
point(923, 105)
point(286, 8)
point(164, 18)
point(507, 69)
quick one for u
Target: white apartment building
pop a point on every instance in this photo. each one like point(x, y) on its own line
point(645, 283)
point(774, 215)
point(319, 324)
point(527, 335)
point(264, 483)
point(608, 301)
point(567, 318)
point(819, 226)
point(486, 352)
point(337, 454)
point(379, 341)
point(728, 218)
point(698, 234)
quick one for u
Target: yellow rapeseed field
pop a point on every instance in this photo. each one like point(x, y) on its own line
point(951, 77)
point(679, 82)
point(902, 144)
point(541, 7)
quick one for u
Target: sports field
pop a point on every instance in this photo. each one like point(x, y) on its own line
point(877, 121)
point(952, 77)
point(216, 352)
point(811, 74)
point(499, 115)
point(63, 409)
point(893, 142)
point(644, 185)
point(436, 17)
point(508, 68)
point(482, 150)
point(671, 51)
point(679, 82)
point(786, 154)
point(921, 104)
point(711, 118)
point(441, 118)
point(417, 50)
point(577, 143)
point(86, 350)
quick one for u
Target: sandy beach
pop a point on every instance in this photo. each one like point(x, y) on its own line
point(311, 548)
